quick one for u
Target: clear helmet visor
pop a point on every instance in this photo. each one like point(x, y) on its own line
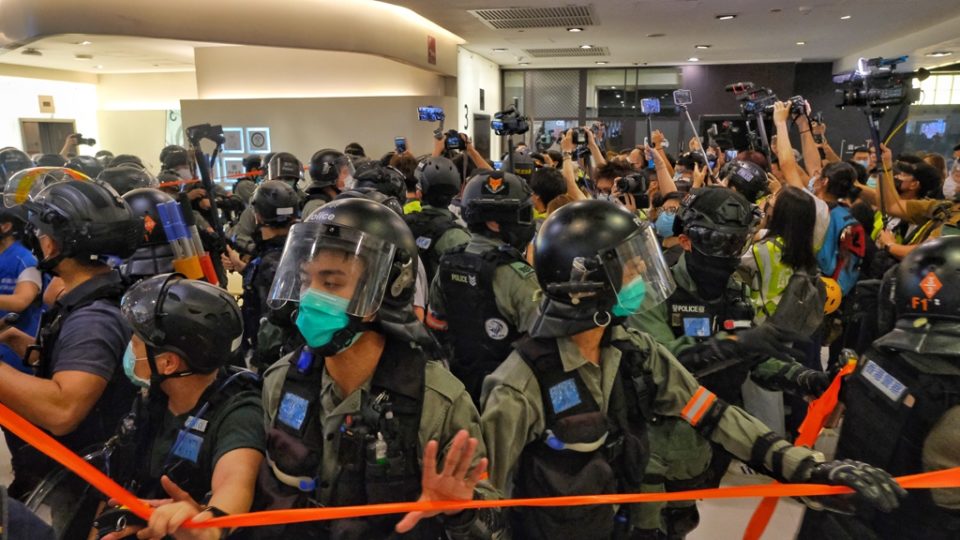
point(140, 308)
point(639, 257)
point(26, 185)
point(334, 260)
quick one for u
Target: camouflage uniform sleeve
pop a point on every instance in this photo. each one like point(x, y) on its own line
point(454, 237)
point(245, 227)
point(654, 323)
point(679, 394)
point(775, 374)
point(516, 290)
point(448, 408)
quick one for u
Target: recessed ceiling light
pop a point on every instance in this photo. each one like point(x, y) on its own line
point(655, 35)
point(586, 46)
point(499, 50)
point(98, 66)
point(801, 43)
point(939, 54)
point(601, 63)
point(618, 96)
point(84, 43)
point(726, 17)
point(701, 46)
point(845, 18)
point(633, 106)
point(693, 59)
point(622, 103)
point(575, 29)
point(82, 57)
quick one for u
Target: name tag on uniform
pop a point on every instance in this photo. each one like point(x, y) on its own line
point(197, 424)
point(293, 410)
point(564, 396)
point(188, 446)
point(886, 383)
point(696, 327)
point(424, 242)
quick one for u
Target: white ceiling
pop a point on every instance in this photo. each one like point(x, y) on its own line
point(764, 30)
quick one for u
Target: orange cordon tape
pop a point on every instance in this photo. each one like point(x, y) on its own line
point(949, 478)
point(817, 413)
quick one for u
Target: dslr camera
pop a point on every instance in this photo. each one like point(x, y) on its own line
point(510, 122)
point(453, 141)
point(89, 141)
point(632, 183)
point(580, 137)
point(876, 84)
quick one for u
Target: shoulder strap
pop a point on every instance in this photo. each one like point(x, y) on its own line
point(563, 394)
point(639, 385)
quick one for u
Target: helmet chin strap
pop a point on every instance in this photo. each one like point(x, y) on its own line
point(343, 339)
point(559, 319)
point(156, 378)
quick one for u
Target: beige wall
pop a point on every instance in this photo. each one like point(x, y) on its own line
point(145, 91)
point(140, 133)
point(475, 72)
point(303, 126)
point(270, 72)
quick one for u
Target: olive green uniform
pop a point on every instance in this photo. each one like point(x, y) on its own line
point(452, 237)
point(513, 413)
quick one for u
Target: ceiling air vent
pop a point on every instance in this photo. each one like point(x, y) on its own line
point(535, 17)
point(568, 52)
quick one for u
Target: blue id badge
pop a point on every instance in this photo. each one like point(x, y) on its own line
point(188, 446)
point(564, 396)
point(293, 410)
point(696, 327)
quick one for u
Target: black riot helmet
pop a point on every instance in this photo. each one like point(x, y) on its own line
point(88, 165)
point(378, 251)
point(718, 221)
point(926, 300)
point(154, 256)
point(374, 195)
point(523, 164)
point(12, 161)
point(173, 156)
point(589, 256)
point(105, 157)
point(746, 177)
point(503, 198)
point(253, 162)
point(51, 160)
point(276, 203)
point(197, 321)
point(86, 219)
point(439, 180)
point(325, 166)
point(386, 180)
point(127, 177)
point(284, 166)
point(127, 158)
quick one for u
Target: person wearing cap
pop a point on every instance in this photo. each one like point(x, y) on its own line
point(199, 437)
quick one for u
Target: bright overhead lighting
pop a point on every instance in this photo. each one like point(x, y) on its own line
point(726, 17)
point(601, 63)
point(845, 18)
point(801, 43)
point(84, 43)
point(939, 54)
point(693, 59)
point(98, 66)
point(618, 96)
point(499, 50)
point(633, 106)
point(575, 29)
point(586, 46)
point(701, 46)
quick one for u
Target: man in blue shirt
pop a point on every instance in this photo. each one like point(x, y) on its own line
point(20, 284)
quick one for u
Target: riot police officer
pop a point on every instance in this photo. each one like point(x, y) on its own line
point(566, 413)
point(88, 165)
point(127, 177)
point(199, 436)
point(154, 255)
point(328, 171)
point(282, 166)
point(349, 414)
point(276, 207)
point(12, 161)
point(247, 184)
point(80, 392)
point(489, 275)
point(434, 226)
point(902, 404)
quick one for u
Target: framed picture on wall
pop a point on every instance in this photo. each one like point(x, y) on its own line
point(258, 140)
point(232, 169)
point(233, 140)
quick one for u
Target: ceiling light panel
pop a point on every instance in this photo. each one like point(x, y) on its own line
point(535, 17)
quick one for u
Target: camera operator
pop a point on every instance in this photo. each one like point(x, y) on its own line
point(439, 149)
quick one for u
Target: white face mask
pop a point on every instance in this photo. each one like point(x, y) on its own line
point(184, 173)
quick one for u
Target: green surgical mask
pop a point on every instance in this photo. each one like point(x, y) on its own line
point(321, 315)
point(630, 298)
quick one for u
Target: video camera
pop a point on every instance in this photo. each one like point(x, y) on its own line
point(453, 141)
point(760, 99)
point(632, 183)
point(876, 85)
point(510, 122)
point(89, 141)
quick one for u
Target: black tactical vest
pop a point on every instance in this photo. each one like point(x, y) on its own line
point(378, 450)
point(690, 315)
point(892, 402)
point(480, 334)
point(257, 279)
point(428, 228)
point(549, 468)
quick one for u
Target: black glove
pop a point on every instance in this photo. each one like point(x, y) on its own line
point(710, 353)
point(811, 382)
point(771, 341)
point(873, 485)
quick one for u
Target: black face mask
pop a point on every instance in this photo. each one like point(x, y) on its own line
point(518, 236)
point(710, 274)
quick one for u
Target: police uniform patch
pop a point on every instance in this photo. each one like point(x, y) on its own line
point(886, 383)
point(423, 242)
point(564, 395)
point(293, 410)
point(696, 326)
point(188, 446)
point(522, 268)
point(496, 328)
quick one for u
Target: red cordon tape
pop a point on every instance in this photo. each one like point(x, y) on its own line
point(817, 413)
point(949, 478)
